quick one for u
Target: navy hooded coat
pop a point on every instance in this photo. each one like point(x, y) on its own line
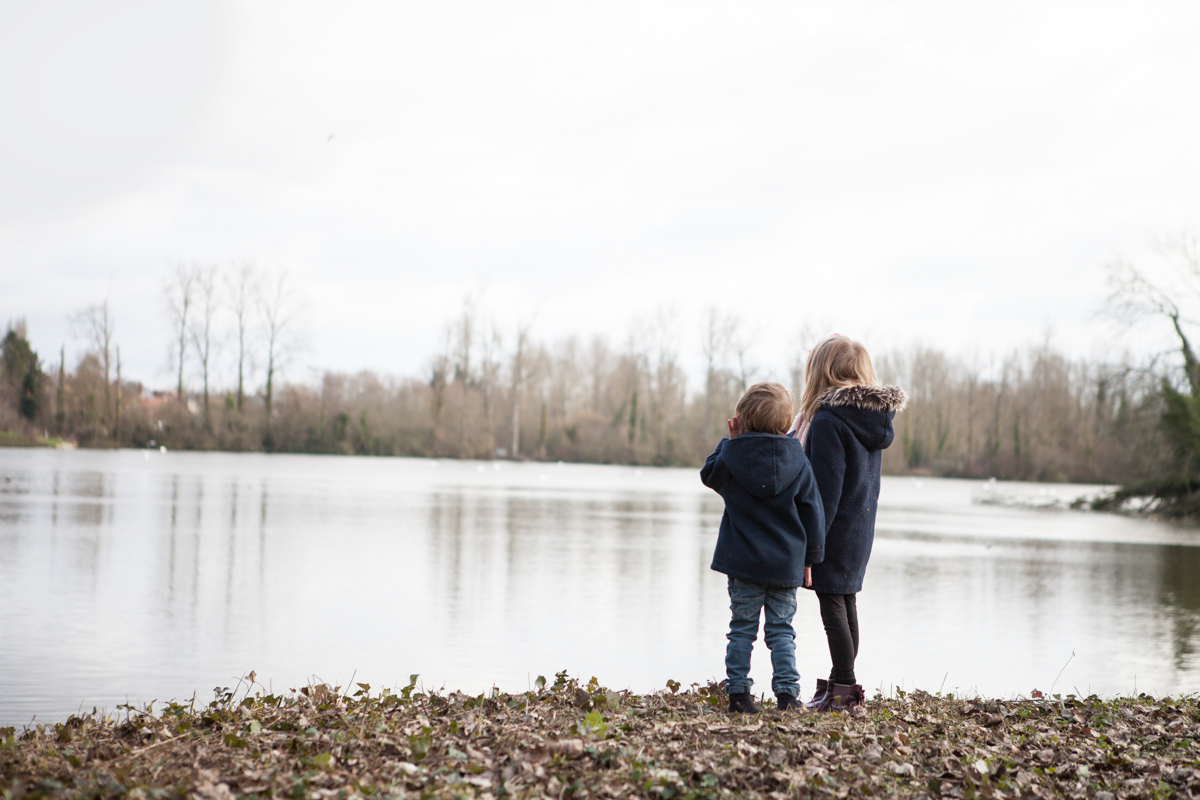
point(773, 525)
point(845, 445)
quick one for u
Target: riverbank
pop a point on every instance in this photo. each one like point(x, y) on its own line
point(8, 439)
point(565, 739)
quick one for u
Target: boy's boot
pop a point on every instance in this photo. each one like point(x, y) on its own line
point(819, 696)
point(742, 703)
point(788, 702)
point(842, 697)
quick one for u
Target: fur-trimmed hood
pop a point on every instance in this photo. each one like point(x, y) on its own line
point(867, 411)
point(888, 399)
point(871, 398)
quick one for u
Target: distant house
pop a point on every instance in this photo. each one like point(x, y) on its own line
point(157, 399)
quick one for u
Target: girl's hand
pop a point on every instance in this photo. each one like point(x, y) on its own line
point(808, 576)
point(733, 427)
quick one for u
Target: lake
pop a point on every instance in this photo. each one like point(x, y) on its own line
point(131, 576)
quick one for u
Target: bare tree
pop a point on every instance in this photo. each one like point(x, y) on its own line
point(438, 380)
point(636, 368)
point(597, 361)
point(464, 341)
point(95, 324)
point(491, 343)
point(807, 336)
point(242, 289)
point(117, 423)
point(463, 334)
point(60, 397)
point(717, 332)
point(278, 307)
point(179, 292)
point(201, 328)
point(670, 386)
point(1134, 296)
point(741, 341)
point(519, 369)
point(971, 383)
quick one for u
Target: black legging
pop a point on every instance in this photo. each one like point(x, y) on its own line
point(839, 612)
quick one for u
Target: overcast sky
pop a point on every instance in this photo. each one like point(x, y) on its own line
point(954, 174)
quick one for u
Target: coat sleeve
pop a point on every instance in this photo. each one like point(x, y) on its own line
point(827, 455)
point(812, 517)
point(710, 475)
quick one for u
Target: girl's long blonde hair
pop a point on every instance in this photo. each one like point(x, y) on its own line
point(835, 361)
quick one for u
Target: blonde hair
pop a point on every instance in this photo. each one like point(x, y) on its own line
point(764, 408)
point(836, 361)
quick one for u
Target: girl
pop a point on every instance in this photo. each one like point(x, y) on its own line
point(844, 424)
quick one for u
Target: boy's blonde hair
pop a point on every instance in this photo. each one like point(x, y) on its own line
point(764, 408)
point(835, 361)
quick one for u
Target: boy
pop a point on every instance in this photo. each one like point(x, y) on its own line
point(772, 531)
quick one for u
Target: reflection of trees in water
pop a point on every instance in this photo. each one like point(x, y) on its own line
point(16, 482)
point(214, 554)
point(1179, 595)
point(90, 515)
point(1126, 608)
point(446, 523)
point(91, 485)
point(538, 547)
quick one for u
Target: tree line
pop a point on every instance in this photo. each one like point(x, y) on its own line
point(1034, 413)
point(252, 313)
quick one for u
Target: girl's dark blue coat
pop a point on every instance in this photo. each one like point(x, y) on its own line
point(773, 525)
point(845, 446)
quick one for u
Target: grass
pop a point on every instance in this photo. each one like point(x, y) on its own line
point(10, 439)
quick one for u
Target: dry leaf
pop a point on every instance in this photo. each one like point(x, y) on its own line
point(318, 743)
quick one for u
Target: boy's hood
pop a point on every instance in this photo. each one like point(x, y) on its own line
point(763, 463)
point(867, 411)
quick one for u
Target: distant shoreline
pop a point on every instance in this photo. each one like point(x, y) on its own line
point(12, 441)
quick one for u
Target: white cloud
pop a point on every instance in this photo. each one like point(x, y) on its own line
point(937, 172)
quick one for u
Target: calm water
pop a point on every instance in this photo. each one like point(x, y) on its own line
point(131, 576)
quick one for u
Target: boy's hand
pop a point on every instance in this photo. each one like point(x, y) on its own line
point(808, 576)
point(733, 427)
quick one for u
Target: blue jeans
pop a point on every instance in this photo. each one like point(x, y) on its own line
point(746, 600)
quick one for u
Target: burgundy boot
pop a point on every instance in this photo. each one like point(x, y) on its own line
point(819, 696)
point(842, 697)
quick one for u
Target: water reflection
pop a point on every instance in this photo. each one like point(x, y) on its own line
point(1180, 595)
point(178, 572)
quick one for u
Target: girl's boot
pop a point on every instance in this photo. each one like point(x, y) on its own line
point(819, 696)
point(842, 697)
